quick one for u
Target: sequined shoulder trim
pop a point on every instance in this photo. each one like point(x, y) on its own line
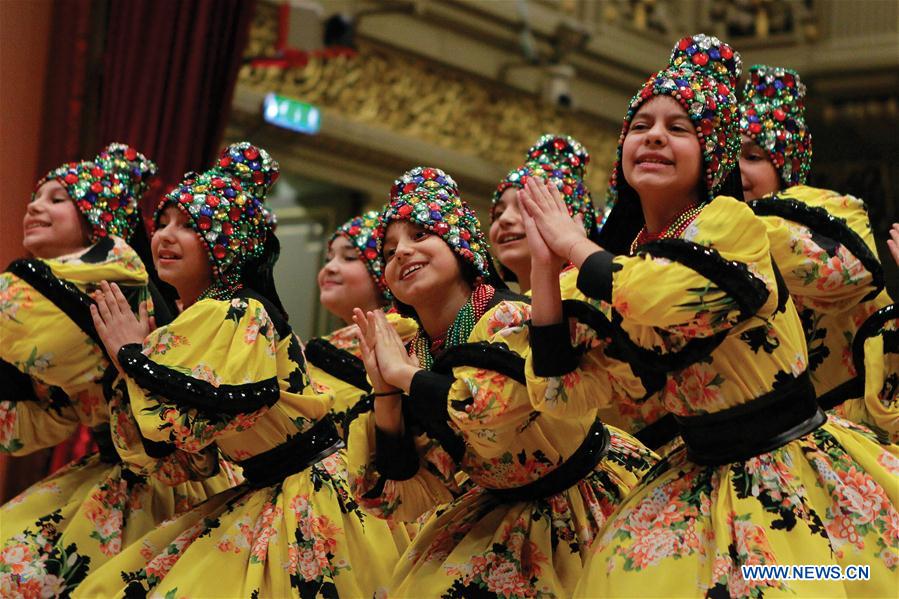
point(824, 223)
point(189, 392)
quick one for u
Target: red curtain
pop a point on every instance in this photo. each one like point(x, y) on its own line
point(169, 70)
point(157, 75)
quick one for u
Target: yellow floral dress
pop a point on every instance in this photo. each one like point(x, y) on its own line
point(334, 364)
point(533, 448)
point(55, 376)
point(232, 372)
point(875, 351)
point(823, 245)
point(642, 414)
point(743, 494)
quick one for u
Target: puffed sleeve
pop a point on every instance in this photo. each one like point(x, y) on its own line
point(33, 416)
point(876, 357)
point(822, 243)
point(718, 276)
point(399, 477)
point(211, 371)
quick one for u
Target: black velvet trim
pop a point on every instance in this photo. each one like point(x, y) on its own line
point(554, 355)
point(99, 252)
point(339, 363)
point(787, 412)
point(193, 393)
point(823, 223)
point(595, 276)
point(871, 327)
point(282, 327)
point(16, 384)
point(854, 387)
point(732, 277)
point(579, 464)
point(426, 408)
point(656, 434)
point(482, 354)
point(67, 297)
point(395, 455)
point(295, 454)
point(647, 364)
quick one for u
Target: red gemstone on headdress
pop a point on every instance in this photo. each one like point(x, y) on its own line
point(114, 203)
point(779, 114)
point(96, 172)
point(218, 183)
point(130, 153)
point(429, 173)
point(106, 216)
point(204, 223)
point(405, 210)
point(227, 229)
point(258, 177)
point(535, 153)
point(464, 234)
point(726, 52)
point(646, 92)
point(219, 251)
point(441, 228)
point(686, 93)
point(575, 161)
point(684, 43)
point(250, 244)
point(354, 230)
point(225, 161)
point(559, 144)
point(547, 167)
point(566, 190)
point(409, 187)
point(71, 178)
point(706, 126)
point(96, 187)
point(235, 185)
point(251, 153)
point(371, 254)
point(769, 91)
point(212, 201)
point(84, 204)
point(723, 90)
point(701, 59)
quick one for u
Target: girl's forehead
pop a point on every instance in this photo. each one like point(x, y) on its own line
point(52, 186)
point(662, 105)
point(340, 242)
point(398, 228)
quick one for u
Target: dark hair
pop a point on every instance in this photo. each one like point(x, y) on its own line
point(626, 218)
point(140, 243)
point(259, 273)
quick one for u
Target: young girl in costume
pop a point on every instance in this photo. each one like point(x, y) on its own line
point(229, 370)
point(821, 241)
point(686, 272)
point(55, 375)
point(545, 474)
point(563, 161)
point(351, 278)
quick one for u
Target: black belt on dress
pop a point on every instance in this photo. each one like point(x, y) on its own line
point(294, 455)
point(102, 436)
point(753, 428)
point(573, 470)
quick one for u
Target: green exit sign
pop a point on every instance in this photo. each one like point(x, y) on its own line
point(291, 114)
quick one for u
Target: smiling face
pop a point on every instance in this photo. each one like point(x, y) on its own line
point(419, 265)
point(661, 153)
point(178, 253)
point(344, 282)
point(507, 237)
point(759, 176)
point(52, 226)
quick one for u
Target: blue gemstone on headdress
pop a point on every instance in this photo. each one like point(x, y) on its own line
point(229, 192)
point(691, 50)
point(255, 165)
point(779, 84)
point(436, 215)
point(206, 211)
point(714, 54)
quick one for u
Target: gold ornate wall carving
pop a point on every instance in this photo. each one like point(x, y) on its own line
point(423, 100)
